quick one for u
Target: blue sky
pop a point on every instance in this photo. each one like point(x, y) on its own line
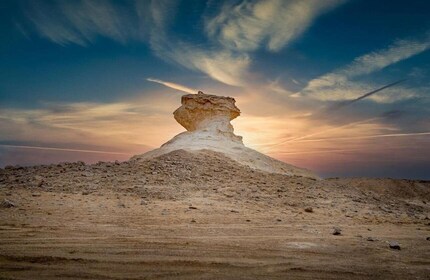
point(106, 76)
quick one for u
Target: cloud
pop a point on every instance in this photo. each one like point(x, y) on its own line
point(250, 25)
point(173, 85)
point(81, 22)
point(62, 149)
point(123, 126)
point(274, 23)
point(222, 66)
point(339, 84)
point(228, 62)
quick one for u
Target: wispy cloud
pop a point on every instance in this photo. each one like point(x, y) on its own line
point(222, 66)
point(173, 85)
point(237, 29)
point(121, 125)
point(81, 22)
point(63, 149)
point(273, 23)
point(340, 84)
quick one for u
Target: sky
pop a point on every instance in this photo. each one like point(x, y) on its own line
point(99, 80)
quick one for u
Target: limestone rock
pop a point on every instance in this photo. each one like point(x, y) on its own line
point(203, 111)
point(207, 121)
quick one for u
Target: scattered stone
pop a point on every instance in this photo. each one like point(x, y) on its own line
point(428, 238)
point(309, 210)
point(394, 245)
point(278, 220)
point(192, 207)
point(143, 202)
point(370, 239)
point(337, 231)
point(6, 203)
point(121, 205)
point(85, 193)
point(234, 211)
point(248, 220)
point(36, 194)
point(38, 181)
point(193, 221)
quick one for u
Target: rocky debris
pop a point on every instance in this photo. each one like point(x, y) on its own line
point(336, 231)
point(181, 174)
point(428, 238)
point(370, 239)
point(6, 203)
point(394, 245)
point(309, 210)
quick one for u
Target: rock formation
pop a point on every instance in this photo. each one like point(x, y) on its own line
point(207, 121)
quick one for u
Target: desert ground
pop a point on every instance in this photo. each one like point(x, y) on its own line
point(200, 215)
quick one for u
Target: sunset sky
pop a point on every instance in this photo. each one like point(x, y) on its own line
point(99, 80)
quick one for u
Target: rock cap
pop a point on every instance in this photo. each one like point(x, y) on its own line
point(199, 110)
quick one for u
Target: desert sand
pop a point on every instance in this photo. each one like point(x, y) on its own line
point(201, 216)
point(204, 206)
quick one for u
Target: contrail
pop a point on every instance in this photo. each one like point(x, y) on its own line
point(338, 106)
point(349, 102)
point(368, 137)
point(321, 132)
point(340, 150)
point(173, 85)
point(62, 149)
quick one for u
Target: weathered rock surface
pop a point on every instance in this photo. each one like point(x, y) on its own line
point(206, 112)
point(207, 120)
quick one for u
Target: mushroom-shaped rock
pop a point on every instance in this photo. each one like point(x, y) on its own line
point(207, 121)
point(204, 111)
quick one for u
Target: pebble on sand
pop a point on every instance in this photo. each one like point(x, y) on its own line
point(394, 245)
point(337, 231)
point(6, 203)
